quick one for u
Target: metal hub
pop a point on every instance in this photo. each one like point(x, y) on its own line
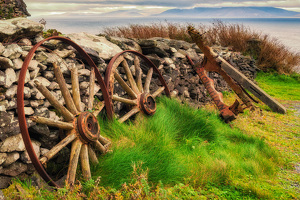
point(88, 127)
point(147, 104)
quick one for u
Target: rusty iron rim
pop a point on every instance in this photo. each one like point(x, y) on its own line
point(146, 103)
point(20, 102)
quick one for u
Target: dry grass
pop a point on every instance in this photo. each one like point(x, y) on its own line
point(271, 55)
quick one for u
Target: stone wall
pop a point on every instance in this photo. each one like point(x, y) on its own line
point(168, 55)
point(12, 9)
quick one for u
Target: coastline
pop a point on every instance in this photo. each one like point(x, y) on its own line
point(283, 29)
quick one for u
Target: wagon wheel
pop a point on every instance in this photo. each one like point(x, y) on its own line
point(80, 125)
point(136, 88)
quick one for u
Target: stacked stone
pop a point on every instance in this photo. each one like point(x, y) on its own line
point(168, 55)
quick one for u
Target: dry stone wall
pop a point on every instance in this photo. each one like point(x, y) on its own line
point(168, 55)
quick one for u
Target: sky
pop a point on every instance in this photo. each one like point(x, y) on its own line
point(71, 8)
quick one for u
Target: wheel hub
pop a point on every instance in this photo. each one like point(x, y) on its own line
point(88, 127)
point(147, 104)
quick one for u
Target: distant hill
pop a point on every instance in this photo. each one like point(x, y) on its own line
point(124, 13)
point(229, 12)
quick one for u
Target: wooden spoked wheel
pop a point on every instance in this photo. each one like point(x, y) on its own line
point(78, 122)
point(136, 88)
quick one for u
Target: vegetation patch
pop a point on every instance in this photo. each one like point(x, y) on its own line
point(269, 53)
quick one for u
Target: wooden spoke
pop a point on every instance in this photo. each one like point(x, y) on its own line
point(124, 100)
point(58, 147)
point(85, 163)
point(92, 155)
point(91, 89)
point(68, 116)
point(75, 88)
point(75, 151)
point(130, 77)
point(138, 74)
point(129, 114)
point(148, 80)
point(100, 147)
point(53, 123)
point(103, 140)
point(158, 92)
point(64, 90)
point(124, 85)
point(100, 105)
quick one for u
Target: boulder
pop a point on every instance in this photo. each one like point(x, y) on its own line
point(5, 63)
point(14, 169)
point(101, 45)
point(10, 77)
point(4, 183)
point(13, 143)
point(3, 157)
point(12, 51)
point(14, 29)
point(124, 43)
point(36, 146)
point(11, 158)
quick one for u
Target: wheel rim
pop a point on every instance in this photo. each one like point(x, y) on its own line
point(137, 88)
point(82, 127)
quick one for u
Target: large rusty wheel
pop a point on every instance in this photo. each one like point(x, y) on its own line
point(78, 122)
point(132, 91)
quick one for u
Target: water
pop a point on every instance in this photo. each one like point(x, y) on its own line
point(286, 30)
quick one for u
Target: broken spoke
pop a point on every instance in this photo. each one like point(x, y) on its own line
point(129, 114)
point(148, 80)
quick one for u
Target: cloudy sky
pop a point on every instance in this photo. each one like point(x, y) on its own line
point(56, 8)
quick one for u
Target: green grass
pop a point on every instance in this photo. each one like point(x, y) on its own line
point(183, 153)
point(284, 87)
point(183, 145)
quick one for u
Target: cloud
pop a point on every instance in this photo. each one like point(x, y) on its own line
point(40, 8)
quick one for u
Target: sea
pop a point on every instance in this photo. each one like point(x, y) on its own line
point(285, 30)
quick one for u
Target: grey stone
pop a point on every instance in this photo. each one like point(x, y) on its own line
point(34, 73)
point(43, 81)
point(19, 27)
point(25, 41)
point(17, 63)
point(43, 151)
point(11, 92)
point(1, 48)
point(49, 75)
point(84, 72)
point(27, 76)
point(36, 146)
point(101, 45)
point(33, 65)
point(12, 51)
point(3, 105)
point(11, 158)
point(27, 92)
point(2, 78)
point(13, 143)
point(5, 63)
point(53, 86)
point(125, 43)
point(64, 53)
point(4, 183)
point(14, 169)
point(3, 157)
point(36, 103)
point(10, 77)
point(28, 111)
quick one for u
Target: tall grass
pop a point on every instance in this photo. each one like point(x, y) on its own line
point(270, 54)
point(183, 145)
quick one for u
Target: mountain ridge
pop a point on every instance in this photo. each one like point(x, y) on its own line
point(229, 12)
